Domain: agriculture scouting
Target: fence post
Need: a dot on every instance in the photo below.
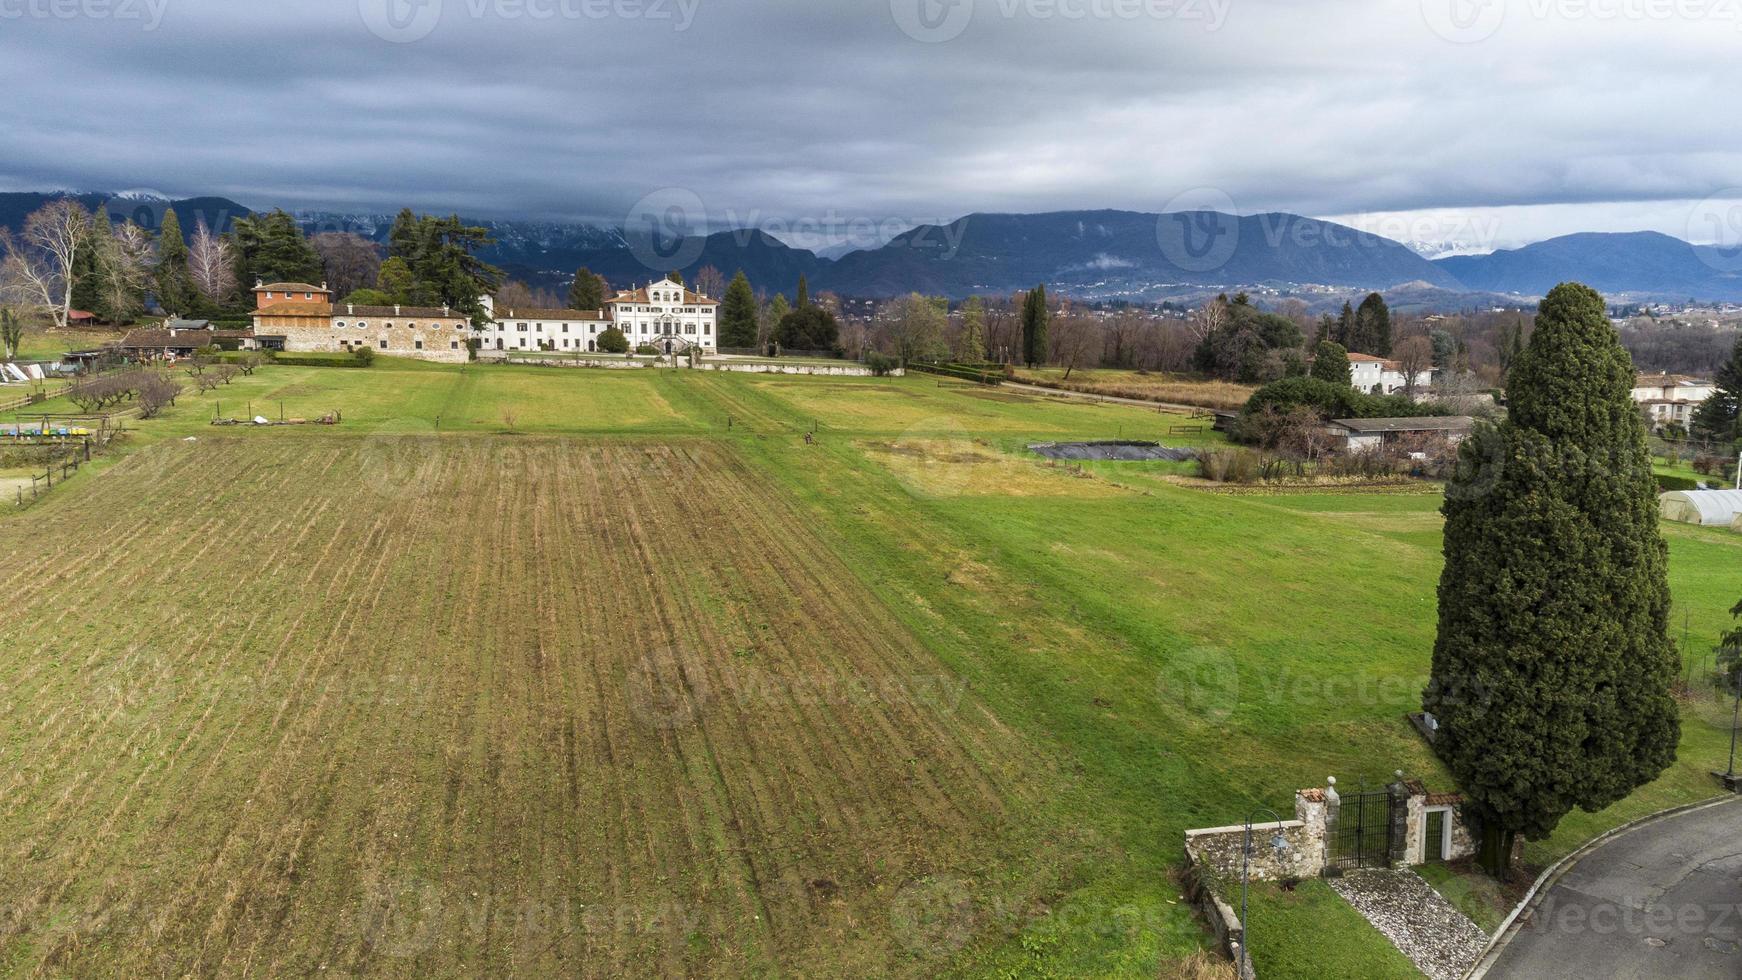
(1398, 834)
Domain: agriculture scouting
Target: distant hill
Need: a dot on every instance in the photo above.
(1128, 254)
(1641, 263)
(1096, 255)
(147, 212)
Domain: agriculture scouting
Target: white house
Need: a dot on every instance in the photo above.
(1376, 375)
(1668, 398)
(663, 314)
(666, 315)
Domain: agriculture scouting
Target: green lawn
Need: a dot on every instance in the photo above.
(1178, 657)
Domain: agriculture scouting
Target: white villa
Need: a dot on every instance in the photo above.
(1670, 398)
(662, 314)
(1376, 375)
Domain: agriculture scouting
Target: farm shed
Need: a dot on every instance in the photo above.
(1711, 507)
(1364, 434)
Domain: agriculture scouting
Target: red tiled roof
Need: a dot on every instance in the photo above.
(531, 314)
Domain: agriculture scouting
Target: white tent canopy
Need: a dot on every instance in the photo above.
(1712, 507)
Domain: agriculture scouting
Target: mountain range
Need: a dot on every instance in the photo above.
(1096, 255)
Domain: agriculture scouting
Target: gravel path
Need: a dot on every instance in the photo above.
(1436, 937)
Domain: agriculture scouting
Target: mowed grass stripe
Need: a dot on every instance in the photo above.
(417, 729)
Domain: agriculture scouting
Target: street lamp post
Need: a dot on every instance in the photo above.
(1278, 844)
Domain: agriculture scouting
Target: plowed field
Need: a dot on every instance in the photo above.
(463, 705)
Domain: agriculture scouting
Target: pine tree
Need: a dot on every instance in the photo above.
(1034, 324)
(173, 283)
(971, 348)
(804, 293)
(588, 291)
(1331, 363)
(403, 239)
(272, 248)
(675, 276)
(738, 314)
(1553, 664)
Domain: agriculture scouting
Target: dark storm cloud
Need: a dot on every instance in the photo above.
(886, 110)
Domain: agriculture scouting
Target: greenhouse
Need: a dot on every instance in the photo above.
(1711, 507)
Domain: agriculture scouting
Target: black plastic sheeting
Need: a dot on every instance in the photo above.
(1111, 450)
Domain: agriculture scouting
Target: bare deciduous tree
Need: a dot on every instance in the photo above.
(123, 269)
(211, 264)
(1414, 355)
(39, 262)
(1207, 319)
(351, 261)
(247, 361)
(710, 281)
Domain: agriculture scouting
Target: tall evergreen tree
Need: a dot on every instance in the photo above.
(1553, 664)
(1344, 333)
(403, 239)
(1719, 417)
(271, 247)
(396, 281)
(804, 293)
(971, 347)
(1327, 330)
(738, 313)
(172, 281)
(1331, 363)
(1035, 316)
(87, 269)
(675, 276)
(588, 291)
(1372, 333)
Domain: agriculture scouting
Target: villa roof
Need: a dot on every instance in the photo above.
(690, 298)
(409, 312)
(517, 313)
(291, 287)
(296, 309)
(1426, 423)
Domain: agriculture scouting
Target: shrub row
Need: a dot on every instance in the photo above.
(321, 360)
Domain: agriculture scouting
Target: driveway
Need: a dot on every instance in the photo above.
(1661, 900)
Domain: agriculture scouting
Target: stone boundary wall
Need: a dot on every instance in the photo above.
(847, 369)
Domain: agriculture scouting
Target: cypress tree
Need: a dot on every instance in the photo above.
(1373, 327)
(1034, 322)
(1331, 363)
(804, 293)
(971, 348)
(1553, 664)
(738, 314)
(1345, 331)
(174, 283)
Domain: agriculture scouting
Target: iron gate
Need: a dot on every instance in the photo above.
(1362, 836)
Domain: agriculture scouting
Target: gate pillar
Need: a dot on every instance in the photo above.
(1399, 836)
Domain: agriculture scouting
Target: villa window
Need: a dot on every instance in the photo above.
(362, 324)
(384, 345)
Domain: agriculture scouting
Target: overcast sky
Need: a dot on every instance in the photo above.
(1477, 123)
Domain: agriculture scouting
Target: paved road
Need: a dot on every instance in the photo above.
(1662, 900)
